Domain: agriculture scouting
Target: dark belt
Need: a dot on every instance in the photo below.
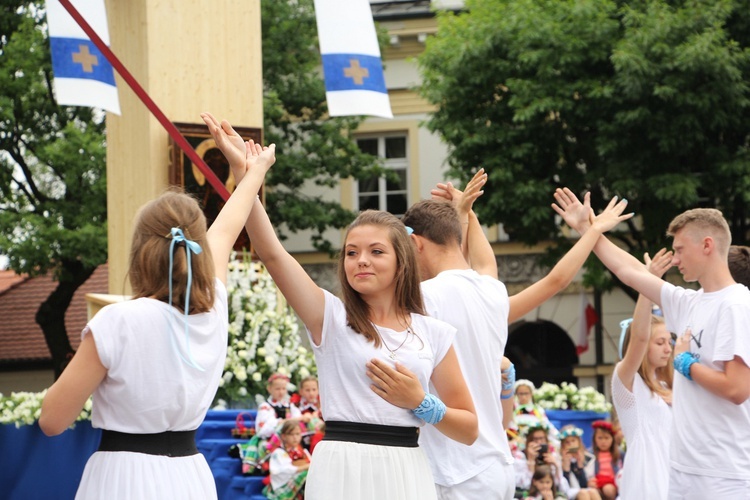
(169, 443)
(383, 435)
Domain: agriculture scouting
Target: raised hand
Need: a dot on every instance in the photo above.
(611, 216)
(258, 156)
(227, 140)
(661, 262)
(577, 215)
(462, 200)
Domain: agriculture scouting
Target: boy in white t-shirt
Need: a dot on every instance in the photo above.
(710, 442)
(471, 299)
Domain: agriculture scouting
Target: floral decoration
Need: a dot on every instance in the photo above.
(264, 336)
(24, 408)
(568, 396)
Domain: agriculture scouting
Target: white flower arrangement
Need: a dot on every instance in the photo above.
(24, 408)
(569, 397)
(264, 336)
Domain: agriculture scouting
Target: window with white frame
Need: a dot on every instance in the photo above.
(389, 193)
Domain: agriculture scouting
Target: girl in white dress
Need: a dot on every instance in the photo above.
(376, 352)
(154, 363)
(642, 395)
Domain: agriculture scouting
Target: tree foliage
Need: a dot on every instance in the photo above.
(52, 173)
(648, 100)
(313, 148)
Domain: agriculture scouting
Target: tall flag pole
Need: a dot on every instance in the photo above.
(352, 67)
(175, 134)
(83, 76)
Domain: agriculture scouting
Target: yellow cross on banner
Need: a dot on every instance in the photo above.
(85, 59)
(356, 72)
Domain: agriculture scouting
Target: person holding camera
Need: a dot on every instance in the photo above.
(538, 451)
(575, 460)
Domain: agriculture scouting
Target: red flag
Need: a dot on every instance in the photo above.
(588, 319)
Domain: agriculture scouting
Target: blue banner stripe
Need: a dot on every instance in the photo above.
(78, 58)
(353, 72)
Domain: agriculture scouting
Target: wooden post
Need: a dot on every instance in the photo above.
(190, 56)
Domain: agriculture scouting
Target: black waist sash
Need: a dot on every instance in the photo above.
(168, 443)
(383, 435)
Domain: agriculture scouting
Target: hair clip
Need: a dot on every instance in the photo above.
(409, 230)
(624, 324)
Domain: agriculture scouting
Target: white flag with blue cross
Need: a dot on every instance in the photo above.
(83, 76)
(352, 67)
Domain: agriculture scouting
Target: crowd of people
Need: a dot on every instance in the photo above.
(414, 387)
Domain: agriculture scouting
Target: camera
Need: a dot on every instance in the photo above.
(543, 449)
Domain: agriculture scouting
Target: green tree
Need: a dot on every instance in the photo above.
(648, 100)
(52, 174)
(313, 147)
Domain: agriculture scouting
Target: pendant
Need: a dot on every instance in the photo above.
(392, 356)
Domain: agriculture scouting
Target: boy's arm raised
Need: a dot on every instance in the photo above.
(565, 270)
(627, 268)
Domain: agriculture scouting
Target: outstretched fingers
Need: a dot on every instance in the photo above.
(660, 263)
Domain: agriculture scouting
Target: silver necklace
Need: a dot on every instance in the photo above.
(392, 352)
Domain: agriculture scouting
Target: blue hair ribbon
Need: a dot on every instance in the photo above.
(190, 247)
(624, 324)
(409, 230)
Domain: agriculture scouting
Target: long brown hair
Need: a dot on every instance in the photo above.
(149, 253)
(664, 374)
(408, 292)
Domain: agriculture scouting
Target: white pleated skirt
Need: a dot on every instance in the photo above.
(354, 471)
(122, 475)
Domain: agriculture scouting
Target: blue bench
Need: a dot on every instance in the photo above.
(213, 439)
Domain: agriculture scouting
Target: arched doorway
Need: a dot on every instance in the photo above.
(541, 352)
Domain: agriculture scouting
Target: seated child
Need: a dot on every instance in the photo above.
(288, 465)
(272, 414)
(537, 451)
(606, 464)
(309, 404)
(277, 408)
(543, 485)
(527, 413)
(575, 458)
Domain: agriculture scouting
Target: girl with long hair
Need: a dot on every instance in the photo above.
(153, 363)
(642, 395)
(375, 350)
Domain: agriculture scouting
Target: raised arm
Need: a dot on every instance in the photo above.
(476, 248)
(640, 328)
(565, 270)
(623, 265)
(226, 228)
(300, 291)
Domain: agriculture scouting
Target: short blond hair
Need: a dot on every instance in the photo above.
(707, 222)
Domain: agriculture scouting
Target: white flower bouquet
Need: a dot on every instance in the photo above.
(264, 336)
(24, 408)
(569, 397)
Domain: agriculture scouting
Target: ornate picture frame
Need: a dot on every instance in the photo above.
(183, 173)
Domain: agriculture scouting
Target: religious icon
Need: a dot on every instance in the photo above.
(184, 173)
